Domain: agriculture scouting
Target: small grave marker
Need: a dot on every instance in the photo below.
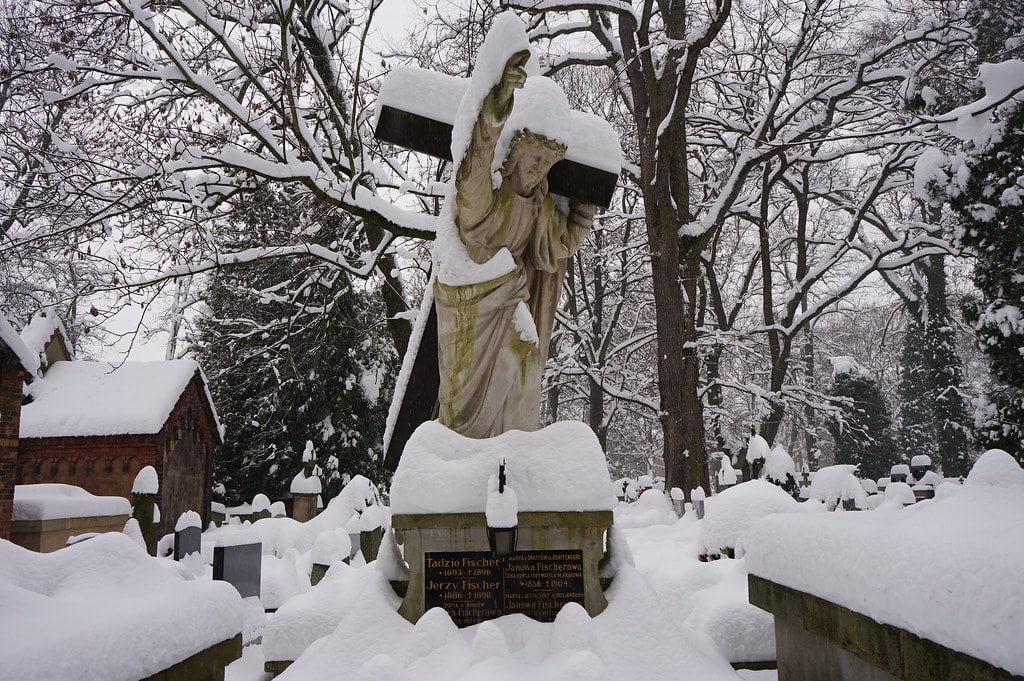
(187, 540)
(241, 566)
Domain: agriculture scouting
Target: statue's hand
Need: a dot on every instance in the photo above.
(513, 77)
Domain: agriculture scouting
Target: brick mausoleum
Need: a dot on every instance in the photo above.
(13, 358)
(96, 426)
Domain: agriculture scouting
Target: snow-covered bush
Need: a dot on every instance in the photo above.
(730, 514)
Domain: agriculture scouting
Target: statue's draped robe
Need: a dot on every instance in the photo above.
(490, 376)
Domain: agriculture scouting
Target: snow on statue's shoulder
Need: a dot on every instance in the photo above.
(559, 468)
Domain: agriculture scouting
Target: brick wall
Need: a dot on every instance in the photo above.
(186, 472)
(104, 466)
(11, 376)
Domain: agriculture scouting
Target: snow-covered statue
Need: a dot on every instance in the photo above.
(503, 242)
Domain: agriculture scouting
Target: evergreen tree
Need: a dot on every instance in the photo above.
(988, 206)
(933, 415)
(862, 436)
(294, 352)
(992, 228)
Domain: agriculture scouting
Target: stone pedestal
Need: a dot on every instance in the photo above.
(303, 507)
(553, 535)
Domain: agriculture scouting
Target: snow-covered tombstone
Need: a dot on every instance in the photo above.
(144, 490)
(260, 506)
(188, 532)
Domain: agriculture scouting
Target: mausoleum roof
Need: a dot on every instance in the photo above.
(96, 398)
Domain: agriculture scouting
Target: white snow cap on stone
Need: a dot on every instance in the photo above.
(899, 469)
(559, 468)
(921, 460)
(900, 492)
(697, 494)
(260, 503)
(757, 448)
(502, 509)
(146, 482)
(678, 495)
(997, 468)
(188, 519)
(331, 546)
(303, 485)
(307, 454)
(48, 501)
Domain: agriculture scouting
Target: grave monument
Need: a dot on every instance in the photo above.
(496, 515)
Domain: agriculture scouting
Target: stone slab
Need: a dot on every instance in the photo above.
(818, 639)
(206, 665)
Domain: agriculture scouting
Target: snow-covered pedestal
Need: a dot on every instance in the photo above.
(901, 592)
(47, 515)
(439, 500)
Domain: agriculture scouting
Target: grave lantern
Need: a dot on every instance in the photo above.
(502, 540)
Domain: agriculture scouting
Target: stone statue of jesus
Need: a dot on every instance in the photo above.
(493, 336)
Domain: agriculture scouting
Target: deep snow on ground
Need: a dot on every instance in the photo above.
(671, 613)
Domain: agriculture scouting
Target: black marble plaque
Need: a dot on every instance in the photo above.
(476, 586)
(241, 566)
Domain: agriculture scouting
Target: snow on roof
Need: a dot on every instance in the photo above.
(559, 468)
(945, 569)
(104, 609)
(49, 501)
(40, 330)
(95, 398)
(11, 338)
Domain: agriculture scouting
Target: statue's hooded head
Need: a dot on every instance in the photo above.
(535, 137)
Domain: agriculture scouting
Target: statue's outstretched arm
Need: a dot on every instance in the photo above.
(474, 188)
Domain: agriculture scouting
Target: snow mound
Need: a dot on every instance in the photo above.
(828, 483)
(779, 464)
(47, 501)
(729, 515)
(95, 609)
(652, 508)
(996, 467)
(757, 448)
(559, 468)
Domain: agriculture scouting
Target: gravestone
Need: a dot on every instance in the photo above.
(473, 586)
(187, 540)
(241, 566)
